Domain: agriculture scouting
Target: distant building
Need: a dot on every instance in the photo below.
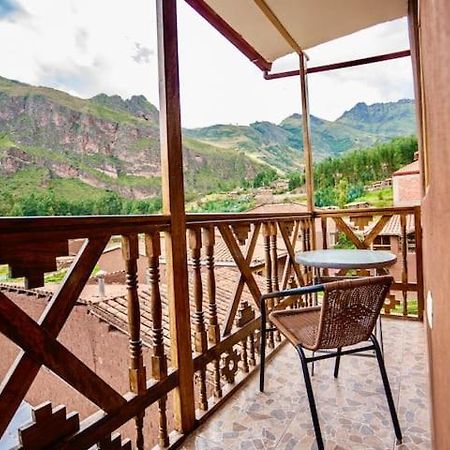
(406, 185)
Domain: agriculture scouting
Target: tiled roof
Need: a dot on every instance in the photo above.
(408, 169)
(393, 226)
(279, 208)
(114, 310)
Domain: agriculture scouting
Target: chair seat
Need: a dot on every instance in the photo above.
(300, 326)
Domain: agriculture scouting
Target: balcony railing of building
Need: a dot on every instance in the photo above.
(223, 297)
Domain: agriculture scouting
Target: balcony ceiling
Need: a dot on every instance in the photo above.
(308, 22)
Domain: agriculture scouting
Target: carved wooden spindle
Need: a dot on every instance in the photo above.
(159, 358)
(274, 256)
(244, 356)
(324, 225)
(274, 261)
(305, 247)
(251, 344)
(404, 264)
(213, 325)
(267, 229)
(200, 341)
(137, 375)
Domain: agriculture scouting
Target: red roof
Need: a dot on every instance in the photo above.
(408, 169)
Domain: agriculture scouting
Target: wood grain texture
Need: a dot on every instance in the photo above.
(307, 144)
(40, 346)
(173, 206)
(18, 380)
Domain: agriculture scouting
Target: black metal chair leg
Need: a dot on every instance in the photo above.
(387, 389)
(262, 352)
(312, 403)
(338, 360)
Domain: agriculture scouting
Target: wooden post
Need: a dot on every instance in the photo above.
(414, 42)
(307, 148)
(173, 205)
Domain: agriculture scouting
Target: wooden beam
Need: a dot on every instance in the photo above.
(340, 65)
(234, 37)
(173, 205)
(273, 19)
(24, 370)
(43, 348)
(414, 42)
(307, 147)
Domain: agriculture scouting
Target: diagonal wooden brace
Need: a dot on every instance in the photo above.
(22, 373)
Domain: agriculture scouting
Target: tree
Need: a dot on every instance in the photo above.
(296, 179)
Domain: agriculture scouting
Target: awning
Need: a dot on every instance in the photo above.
(265, 30)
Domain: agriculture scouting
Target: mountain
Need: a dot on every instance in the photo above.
(361, 126)
(50, 140)
(385, 120)
(104, 142)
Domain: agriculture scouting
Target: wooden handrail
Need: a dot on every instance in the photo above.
(223, 315)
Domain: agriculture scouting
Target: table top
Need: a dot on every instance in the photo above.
(346, 259)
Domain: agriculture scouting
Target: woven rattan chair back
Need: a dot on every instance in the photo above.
(350, 310)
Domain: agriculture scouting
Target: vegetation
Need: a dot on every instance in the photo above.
(379, 198)
(222, 203)
(340, 180)
(265, 178)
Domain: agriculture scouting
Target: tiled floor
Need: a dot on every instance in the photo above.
(352, 409)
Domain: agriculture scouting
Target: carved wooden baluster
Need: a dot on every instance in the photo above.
(159, 358)
(324, 224)
(292, 285)
(244, 355)
(268, 267)
(130, 251)
(404, 264)
(252, 356)
(213, 326)
(274, 260)
(195, 244)
(274, 256)
(305, 248)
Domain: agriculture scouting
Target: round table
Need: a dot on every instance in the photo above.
(346, 259)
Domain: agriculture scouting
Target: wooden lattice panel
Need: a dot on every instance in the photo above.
(48, 427)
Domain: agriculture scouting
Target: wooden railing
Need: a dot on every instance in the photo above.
(402, 233)
(233, 259)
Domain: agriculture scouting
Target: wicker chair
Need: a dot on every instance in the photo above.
(347, 316)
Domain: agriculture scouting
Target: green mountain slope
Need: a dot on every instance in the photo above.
(362, 126)
(385, 120)
(105, 143)
(76, 148)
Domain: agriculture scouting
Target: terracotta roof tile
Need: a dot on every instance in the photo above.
(114, 310)
(414, 167)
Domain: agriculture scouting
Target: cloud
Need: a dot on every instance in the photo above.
(143, 54)
(9, 9)
(81, 38)
(90, 46)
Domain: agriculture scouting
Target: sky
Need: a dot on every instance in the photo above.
(86, 47)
